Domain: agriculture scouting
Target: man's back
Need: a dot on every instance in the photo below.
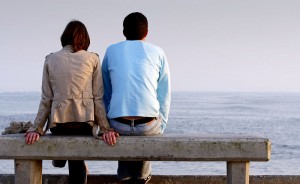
(133, 71)
(137, 91)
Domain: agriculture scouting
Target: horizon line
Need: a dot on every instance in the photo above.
(172, 91)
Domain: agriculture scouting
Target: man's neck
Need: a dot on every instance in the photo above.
(143, 39)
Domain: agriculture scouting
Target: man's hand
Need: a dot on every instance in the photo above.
(110, 137)
(31, 137)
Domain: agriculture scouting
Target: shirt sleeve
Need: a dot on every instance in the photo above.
(45, 103)
(106, 82)
(164, 92)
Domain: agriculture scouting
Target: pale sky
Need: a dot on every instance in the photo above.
(211, 45)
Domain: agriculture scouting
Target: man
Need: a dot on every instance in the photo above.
(137, 92)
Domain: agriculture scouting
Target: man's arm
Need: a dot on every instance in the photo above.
(106, 83)
(164, 92)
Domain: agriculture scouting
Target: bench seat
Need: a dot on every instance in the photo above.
(236, 149)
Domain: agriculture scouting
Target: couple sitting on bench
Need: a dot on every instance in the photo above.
(128, 95)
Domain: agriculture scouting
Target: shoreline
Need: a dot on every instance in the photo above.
(165, 179)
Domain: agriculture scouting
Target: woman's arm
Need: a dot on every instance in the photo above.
(108, 134)
(31, 137)
(42, 116)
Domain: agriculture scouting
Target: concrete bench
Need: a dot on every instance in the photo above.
(236, 150)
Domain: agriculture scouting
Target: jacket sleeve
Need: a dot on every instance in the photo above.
(45, 104)
(100, 112)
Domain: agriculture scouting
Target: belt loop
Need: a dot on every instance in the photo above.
(132, 123)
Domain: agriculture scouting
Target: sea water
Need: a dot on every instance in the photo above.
(272, 115)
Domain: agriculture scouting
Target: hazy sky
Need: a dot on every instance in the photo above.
(211, 45)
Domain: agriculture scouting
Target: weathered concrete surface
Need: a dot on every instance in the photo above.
(28, 171)
(237, 150)
(111, 179)
(238, 172)
(205, 147)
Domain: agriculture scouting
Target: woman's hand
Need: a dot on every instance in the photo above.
(31, 137)
(110, 137)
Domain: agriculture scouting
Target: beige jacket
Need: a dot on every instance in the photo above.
(72, 90)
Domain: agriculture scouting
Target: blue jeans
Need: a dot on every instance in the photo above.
(135, 169)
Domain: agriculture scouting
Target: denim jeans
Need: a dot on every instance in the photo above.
(77, 168)
(135, 169)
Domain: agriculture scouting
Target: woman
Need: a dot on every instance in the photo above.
(72, 90)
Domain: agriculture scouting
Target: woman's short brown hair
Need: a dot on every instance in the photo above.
(76, 35)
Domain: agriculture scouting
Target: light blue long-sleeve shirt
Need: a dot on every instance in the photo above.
(136, 80)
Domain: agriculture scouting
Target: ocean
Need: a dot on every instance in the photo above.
(273, 115)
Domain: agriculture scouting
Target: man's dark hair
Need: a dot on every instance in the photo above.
(135, 26)
(76, 35)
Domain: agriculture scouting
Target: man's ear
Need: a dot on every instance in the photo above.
(145, 35)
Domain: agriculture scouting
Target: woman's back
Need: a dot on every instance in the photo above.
(71, 73)
(71, 84)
